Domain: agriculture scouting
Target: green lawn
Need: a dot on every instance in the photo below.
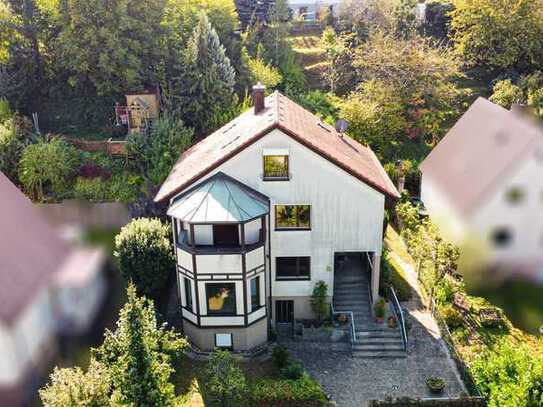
(312, 57)
(394, 243)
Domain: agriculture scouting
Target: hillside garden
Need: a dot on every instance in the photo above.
(505, 362)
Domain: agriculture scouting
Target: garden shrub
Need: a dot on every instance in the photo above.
(145, 254)
(121, 188)
(511, 374)
(292, 371)
(47, 166)
(225, 380)
(452, 317)
(92, 170)
(269, 392)
(280, 356)
(445, 290)
(15, 135)
(319, 303)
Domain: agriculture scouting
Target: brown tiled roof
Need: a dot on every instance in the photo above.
(30, 251)
(479, 149)
(300, 124)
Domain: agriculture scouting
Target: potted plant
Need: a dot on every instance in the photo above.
(392, 322)
(343, 319)
(379, 310)
(435, 384)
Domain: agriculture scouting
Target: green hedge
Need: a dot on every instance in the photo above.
(272, 392)
(409, 402)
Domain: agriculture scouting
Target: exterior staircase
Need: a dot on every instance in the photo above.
(351, 293)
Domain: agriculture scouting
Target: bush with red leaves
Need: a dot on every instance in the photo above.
(91, 170)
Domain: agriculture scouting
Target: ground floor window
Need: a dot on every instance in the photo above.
(255, 293)
(188, 294)
(221, 298)
(292, 268)
(224, 341)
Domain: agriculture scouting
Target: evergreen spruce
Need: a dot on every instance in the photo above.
(207, 84)
(139, 355)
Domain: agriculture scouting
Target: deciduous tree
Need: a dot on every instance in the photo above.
(499, 35)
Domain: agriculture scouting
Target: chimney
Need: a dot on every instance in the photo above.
(258, 97)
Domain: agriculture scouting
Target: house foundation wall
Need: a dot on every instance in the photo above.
(243, 339)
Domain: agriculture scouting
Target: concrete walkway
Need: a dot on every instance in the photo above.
(353, 382)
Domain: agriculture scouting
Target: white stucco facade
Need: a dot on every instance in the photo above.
(346, 214)
(496, 212)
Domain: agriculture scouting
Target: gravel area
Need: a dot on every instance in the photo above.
(353, 382)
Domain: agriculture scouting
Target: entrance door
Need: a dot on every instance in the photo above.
(226, 235)
(284, 311)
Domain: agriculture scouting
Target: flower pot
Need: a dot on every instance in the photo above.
(435, 385)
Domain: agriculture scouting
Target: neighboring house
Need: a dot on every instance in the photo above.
(483, 186)
(47, 288)
(309, 10)
(264, 208)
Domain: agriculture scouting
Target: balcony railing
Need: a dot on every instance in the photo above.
(183, 243)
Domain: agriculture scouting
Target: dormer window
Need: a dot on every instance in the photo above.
(275, 163)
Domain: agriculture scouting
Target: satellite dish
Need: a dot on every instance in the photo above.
(341, 126)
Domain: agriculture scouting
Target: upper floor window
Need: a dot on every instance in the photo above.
(293, 217)
(276, 167)
(515, 195)
(502, 237)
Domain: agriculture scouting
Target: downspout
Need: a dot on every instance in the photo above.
(270, 269)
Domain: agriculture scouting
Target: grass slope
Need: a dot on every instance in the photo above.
(312, 57)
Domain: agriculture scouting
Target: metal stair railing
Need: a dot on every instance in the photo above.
(352, 329)
(398, 312)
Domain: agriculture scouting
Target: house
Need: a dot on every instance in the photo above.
(262, 209)
(309, 10)
(47, 288)
(483, 186)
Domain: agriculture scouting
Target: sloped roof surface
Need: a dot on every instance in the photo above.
(30, 251)
(280, 112)
(219, 199)
(477, 151)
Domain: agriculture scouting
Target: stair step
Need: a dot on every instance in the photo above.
(363, 336)
(350, 283)
(376, 347)
(345, 289)
(380, 341)
(352, 296)
(379, 354)
(352, 303)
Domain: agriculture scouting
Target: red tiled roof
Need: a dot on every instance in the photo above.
(30, 251)
(303, 126)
